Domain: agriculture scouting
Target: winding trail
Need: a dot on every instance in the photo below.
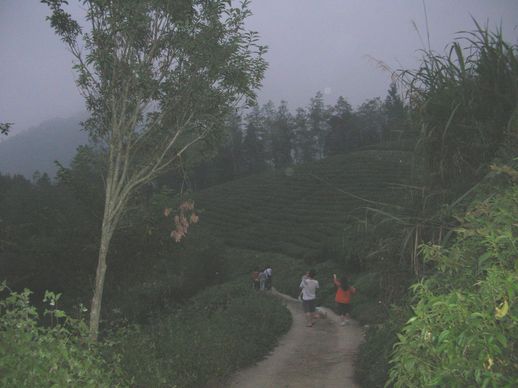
(306, 357)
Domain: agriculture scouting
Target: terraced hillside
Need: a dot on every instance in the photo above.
(299, 210)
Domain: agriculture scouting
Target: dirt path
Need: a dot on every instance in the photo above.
(318, 356)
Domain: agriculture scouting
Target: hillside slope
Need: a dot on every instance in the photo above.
(37, 148)
(297, 211)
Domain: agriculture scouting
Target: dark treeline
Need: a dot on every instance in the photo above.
(274, 137)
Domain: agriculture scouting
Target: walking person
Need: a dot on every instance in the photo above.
(268, 272)
(262, 279)
(308, 286)
(344, 291)
(255, 279)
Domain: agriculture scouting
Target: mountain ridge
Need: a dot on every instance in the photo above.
(37, 148)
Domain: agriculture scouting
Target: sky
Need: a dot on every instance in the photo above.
(314, 45)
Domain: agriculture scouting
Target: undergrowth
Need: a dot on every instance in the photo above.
(463, 328)
(57, 354)
(223, 328)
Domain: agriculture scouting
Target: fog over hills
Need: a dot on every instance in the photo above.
(37, 148)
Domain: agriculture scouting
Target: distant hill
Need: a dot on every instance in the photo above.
(37, 148)
(301, 210)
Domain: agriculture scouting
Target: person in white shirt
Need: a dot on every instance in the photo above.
(308, 287)
(268, 272)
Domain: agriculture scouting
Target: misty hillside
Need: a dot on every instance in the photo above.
(37, 148)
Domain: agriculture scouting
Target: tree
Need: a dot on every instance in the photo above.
(233, 150)
(268, 118)
(395, 114)
(158, 77)
(336, 140)
(303, 140)
(254, 153)
(228, 162)
(282, 136)
(318, 128)
(370, 121)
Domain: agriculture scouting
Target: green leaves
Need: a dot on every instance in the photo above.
(464, 324)
(464, 101)
(62, 21)
(54, 355)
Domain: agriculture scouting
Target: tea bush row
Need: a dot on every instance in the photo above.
(222, 329)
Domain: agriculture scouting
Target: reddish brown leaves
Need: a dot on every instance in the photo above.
(185, 217)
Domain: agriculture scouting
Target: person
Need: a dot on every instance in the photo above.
(268, 272)
(343, 298)
(255, 279)
(262, 280)
(308, 287)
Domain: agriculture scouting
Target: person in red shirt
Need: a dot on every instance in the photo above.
(255, 279)
(343, 298)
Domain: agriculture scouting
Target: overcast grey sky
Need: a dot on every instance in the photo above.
(313, 45)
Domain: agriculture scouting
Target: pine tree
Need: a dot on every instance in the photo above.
(253, 145)
(395, 112)
(336, 140)
(282, 137)
(318, 127)
(303, 140)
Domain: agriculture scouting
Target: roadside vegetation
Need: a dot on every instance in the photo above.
(55, 354)
(221, 329)
(458, 331)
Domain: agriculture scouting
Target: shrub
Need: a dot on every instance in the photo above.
(158, 271)
(32, 355)
(222, 329)
(372, 362)
(463, 332)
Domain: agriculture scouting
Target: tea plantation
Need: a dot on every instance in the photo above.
(299, 211)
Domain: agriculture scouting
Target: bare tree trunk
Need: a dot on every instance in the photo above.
(95, 308)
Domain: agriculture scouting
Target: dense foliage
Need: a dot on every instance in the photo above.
(49, 237)
(372, 362)
(42, 244)
(464, 102)
(463, 330)
(57, 354)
